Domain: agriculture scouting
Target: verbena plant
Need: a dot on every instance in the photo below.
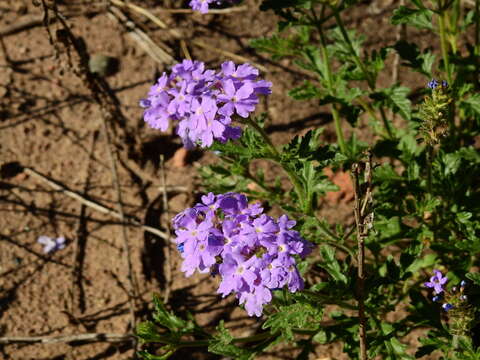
(416, 204)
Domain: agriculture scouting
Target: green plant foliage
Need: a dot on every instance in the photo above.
(425, 189)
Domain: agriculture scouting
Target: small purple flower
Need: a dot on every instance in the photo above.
(50, 245)
(436, 282)
(203, 5)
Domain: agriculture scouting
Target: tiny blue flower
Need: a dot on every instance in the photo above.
(180, 247)
(433, 84)
(463, 297)
(436, 298)
(447, 306)
(444, 84)
(463, 283)
(145, 103)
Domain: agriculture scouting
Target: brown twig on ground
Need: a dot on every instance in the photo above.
(231, 10)
(167, 247)
(77, 292)
(178, 35)
(116, 183)
(99, 207)
(157, 53)
(364, 220)
(93, 337)
(31, 21)
(109, 105)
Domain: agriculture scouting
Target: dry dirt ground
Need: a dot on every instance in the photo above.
(49, 123)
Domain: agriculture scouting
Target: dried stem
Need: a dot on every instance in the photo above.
(94, 337)
(101, 208)
(364, 222)
(157, 53)
(167, 247)
(177, 34)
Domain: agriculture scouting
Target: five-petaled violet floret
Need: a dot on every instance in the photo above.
(252, 252)
(203, 5)
(50, 245)
(204, 102)
(437, 281)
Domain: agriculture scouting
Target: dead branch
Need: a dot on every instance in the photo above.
(167, 247)
(26, 23)
(158, 54)
(94, 337)
(96, 206)
(176, 34)
(231, 10)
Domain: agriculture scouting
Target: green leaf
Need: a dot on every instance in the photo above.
(396, 98)
(146, 356)
(221, 344)
(168, 319)
(472, 103)
(147, 332)
(306, 91)
(331, 264)
(297, 316)
(419, 18)
(475, 277)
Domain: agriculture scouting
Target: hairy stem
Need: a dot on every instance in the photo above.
(477, 41)
(444, 44)
(294, 178)
(326, 61)
(368, 75)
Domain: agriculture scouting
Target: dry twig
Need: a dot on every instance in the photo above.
(101, 208)
(93, 337)
(230, 10)
(178, 35)
(167, 247)
(148, 45)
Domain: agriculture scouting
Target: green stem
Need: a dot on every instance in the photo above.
(338, 129)
(340, 247)
(477, 40)
(356, 59)
(429, 169)
(326, 61)
(369, 77)
(327, 300)
(444, 44)
(201, 343)
(294, 178)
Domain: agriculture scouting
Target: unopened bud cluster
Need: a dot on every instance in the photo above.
(434, 112)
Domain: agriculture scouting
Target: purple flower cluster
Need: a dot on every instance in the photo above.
(251, 251)
(450, 299)
(204, 101)
(203, 5)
